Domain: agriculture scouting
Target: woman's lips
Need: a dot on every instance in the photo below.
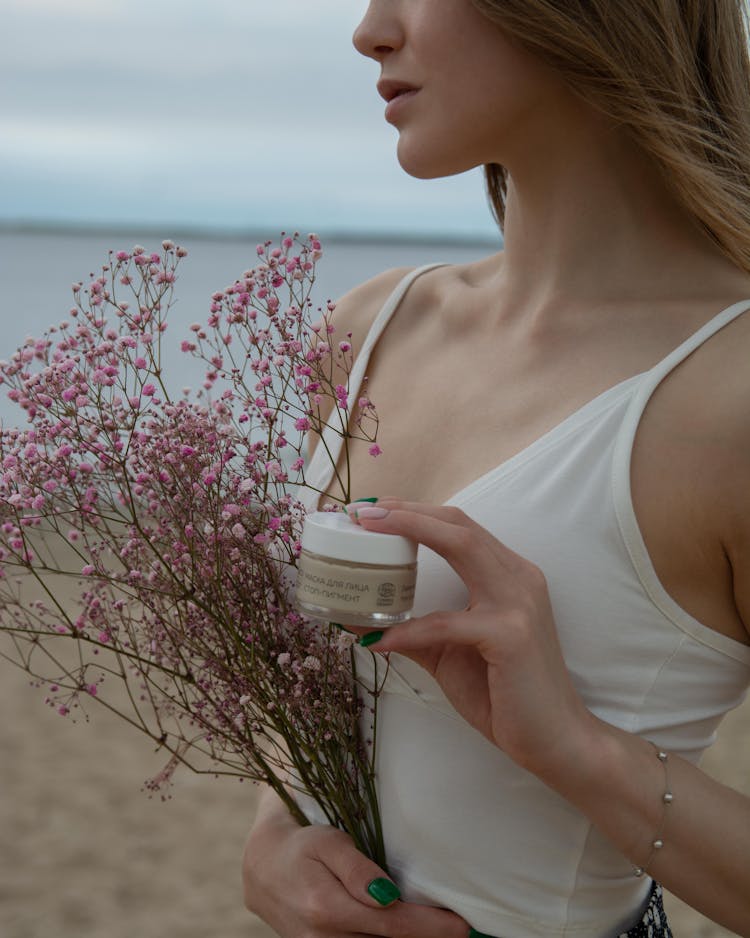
(390, 88)
(397, 103)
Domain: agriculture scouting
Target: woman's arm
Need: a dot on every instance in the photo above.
(499, 663)
(617, 780)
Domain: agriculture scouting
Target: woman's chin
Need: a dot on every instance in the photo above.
(423, 164)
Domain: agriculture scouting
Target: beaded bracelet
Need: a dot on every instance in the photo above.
(667, 798)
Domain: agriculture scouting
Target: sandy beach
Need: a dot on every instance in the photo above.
(84, 853)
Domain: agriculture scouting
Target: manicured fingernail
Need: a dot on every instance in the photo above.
(371, 514)
(353, 508)
(473, 933)
(370, 639)
(338, 625)
(384, 891)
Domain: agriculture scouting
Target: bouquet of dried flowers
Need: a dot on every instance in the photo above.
(179, 521)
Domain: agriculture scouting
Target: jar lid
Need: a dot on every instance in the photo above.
(334, 534)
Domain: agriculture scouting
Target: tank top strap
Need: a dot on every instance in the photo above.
(320, 470)
(652, 378)
(622, 493)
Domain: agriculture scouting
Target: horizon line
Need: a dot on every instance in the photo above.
(228, 233)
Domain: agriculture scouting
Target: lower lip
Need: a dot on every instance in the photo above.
(394, 106)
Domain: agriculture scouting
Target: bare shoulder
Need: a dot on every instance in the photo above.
(725, 420)
(712, 434)
(355, 312)
(690, 480)
(446, 285)
(352, 316)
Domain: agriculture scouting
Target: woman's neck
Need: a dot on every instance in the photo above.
(590, 220)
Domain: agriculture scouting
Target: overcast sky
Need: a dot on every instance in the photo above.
(214, 113)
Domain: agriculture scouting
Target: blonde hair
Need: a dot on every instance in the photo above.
(675, 73)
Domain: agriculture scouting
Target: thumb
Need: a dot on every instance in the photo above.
(363, 879)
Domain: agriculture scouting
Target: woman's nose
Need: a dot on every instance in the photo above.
(379, 32)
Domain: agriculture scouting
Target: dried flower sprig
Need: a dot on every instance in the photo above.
(178, 520)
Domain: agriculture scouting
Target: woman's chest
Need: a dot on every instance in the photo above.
(450, 415)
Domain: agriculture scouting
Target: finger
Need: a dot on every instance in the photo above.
(468, 547)
(363, 879)
(409, 920)
(391, 502)
(370, 885)
(367, 905)
(423, 639)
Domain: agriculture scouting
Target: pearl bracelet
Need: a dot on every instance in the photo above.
(667, 798)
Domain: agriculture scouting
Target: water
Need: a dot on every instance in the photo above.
(38, 268)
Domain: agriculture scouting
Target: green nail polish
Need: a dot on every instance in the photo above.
(384, 891)
(370, 638)
(473, 933)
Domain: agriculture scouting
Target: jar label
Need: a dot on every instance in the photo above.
(355, 589)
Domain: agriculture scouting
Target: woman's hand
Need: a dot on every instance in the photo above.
(312, 882)
(499, 660)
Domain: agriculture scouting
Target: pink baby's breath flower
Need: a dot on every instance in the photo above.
(182, 515)
(375, 450)
(342, 396)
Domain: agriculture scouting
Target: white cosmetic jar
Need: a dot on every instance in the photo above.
(348, 575)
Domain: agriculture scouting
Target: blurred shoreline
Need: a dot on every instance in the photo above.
(244, 234)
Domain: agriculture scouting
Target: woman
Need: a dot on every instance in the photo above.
(574, 461)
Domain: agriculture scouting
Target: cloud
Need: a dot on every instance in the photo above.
(203, 114)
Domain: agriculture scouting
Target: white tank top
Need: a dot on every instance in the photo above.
(466, 828)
